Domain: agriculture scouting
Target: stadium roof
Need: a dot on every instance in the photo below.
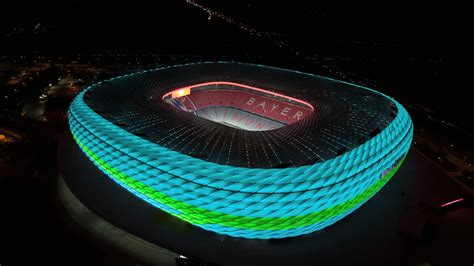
(345, 115)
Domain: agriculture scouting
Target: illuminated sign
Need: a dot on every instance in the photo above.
(180, 92)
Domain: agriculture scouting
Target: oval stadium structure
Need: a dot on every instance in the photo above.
(240, 149)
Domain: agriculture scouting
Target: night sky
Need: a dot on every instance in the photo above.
(162, 25)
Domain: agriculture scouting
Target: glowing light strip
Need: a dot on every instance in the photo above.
(451, 202)
(243, 86)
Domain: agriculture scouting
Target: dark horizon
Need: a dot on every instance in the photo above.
(86, 25)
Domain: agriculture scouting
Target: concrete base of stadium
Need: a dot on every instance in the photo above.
(394, 227)
(129, 244)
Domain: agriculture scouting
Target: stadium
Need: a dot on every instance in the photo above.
(240, 149)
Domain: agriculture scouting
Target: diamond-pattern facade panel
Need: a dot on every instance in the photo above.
(127, 133)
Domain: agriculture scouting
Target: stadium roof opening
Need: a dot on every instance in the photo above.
(239, 106)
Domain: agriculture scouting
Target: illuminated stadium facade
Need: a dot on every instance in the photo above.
(243, 150)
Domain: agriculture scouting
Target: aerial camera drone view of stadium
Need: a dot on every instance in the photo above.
(204, 132)
(241, 160)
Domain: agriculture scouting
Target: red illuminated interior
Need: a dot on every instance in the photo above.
(239, 105)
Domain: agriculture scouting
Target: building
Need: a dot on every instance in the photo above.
(244, 150)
